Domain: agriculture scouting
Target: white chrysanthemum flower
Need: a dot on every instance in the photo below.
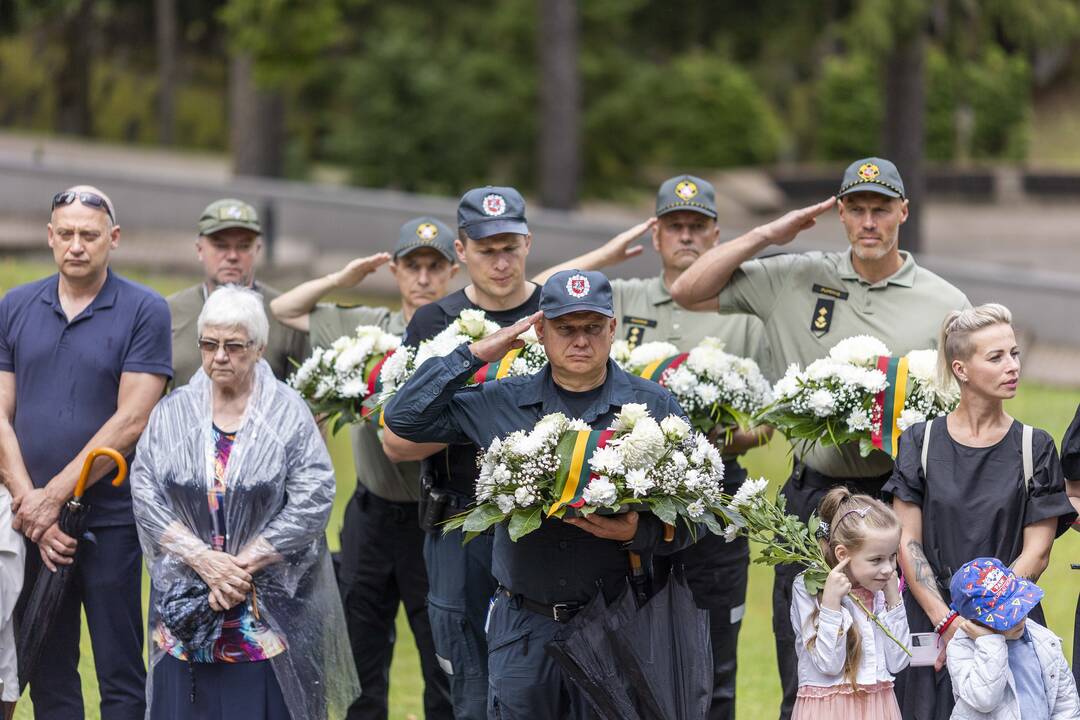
(681, 381)
(858, 420)
(675, 427)
(708, 393)
(505, 503)
(578, 425)
(678, 458)
(396, 368)
(628, 416)
(922, 365)
(909, 417)
(787, 387)
(524, 497)
(750, 493)
(858, 350)
(643, 445)
(501, 474)
(639, 482)
(353, 388)
(650, 352)
(821, 402)
(606, 461)
(695, 509)
(600, 491)
(620, 352)
(730, 532)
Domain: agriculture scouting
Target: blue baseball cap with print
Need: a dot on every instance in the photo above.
(570, 291)
(491, 210)
(986, 591)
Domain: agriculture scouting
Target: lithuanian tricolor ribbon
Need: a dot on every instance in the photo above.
(655, 371)
(889, 403)
(373, 382)
(574, 452)
(496, 371)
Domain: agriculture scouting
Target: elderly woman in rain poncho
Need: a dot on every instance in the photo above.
(232, 488)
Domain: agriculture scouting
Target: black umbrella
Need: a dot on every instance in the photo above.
(665, 654)
(584, 653)
(50, 587)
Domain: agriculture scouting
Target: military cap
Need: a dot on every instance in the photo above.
(872, 175)
(425, 232)
(228, 213)
(489, 210)
(570, 291)
(686, 192)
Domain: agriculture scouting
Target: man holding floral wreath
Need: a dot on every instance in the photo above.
(683, 228)
(810, 301)
(546, 576)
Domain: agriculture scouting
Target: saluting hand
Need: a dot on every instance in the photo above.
(837, 586)
(496, 345)
(784, 229)
(351, 275)
(618, 248)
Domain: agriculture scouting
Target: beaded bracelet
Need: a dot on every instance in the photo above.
(942, 626)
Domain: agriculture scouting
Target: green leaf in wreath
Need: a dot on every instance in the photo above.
(482, 517)
(666, 510)
(523, 522)
(709, 521)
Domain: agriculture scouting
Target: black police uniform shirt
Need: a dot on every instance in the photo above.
(455, 467)
(558, 562)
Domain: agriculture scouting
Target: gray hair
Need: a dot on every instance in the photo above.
(955, 340)
(235, 306)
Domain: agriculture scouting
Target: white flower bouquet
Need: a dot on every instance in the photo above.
(470, 326)
(784, 539)
(339, 379)
(715, 388)
(858, 393)
(563, 467)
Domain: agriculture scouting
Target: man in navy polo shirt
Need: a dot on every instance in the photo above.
(84, 357)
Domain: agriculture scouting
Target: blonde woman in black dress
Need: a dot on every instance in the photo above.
(978, 484)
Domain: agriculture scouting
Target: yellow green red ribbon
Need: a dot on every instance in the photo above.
(657, 371)
(889, 403)
(574, 451)
(496, 371)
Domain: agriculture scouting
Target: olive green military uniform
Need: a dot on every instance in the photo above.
(381, 563)
(809, 302)
(185, 306)
(716, 571)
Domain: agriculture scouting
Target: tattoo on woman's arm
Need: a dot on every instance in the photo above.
(924, 574)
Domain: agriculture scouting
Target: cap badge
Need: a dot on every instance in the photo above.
(494, 204)
(234, 212)
(577, 286)
(686, 189)
(427, 232)
(869, 171)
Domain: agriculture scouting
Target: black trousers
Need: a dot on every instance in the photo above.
(382, 565)
(803, 491)
(107, 584)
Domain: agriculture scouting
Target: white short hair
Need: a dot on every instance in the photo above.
(235, 306)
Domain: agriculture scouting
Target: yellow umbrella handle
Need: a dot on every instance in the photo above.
(121, 463)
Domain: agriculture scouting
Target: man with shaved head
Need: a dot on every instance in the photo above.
(84, 356)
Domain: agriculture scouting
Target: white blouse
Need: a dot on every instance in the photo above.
(823, 665)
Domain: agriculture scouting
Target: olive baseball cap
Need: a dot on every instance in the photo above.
(872, 175)
(491, 210)
(571, 291)
(229, 213)
(425, 232)
(686, 192)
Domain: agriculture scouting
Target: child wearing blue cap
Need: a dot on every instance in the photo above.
(1003, 665)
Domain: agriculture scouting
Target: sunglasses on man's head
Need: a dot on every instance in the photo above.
(86, 198)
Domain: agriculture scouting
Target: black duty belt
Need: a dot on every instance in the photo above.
(559, 612)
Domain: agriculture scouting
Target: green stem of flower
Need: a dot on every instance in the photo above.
(877, 621)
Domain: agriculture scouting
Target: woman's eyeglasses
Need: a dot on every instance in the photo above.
(86, 198)
(233, 347)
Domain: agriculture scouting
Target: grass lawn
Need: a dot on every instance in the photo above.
(758, 686)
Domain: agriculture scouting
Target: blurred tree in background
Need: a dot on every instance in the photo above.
(592, 97)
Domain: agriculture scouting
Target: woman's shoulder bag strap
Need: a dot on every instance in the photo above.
(926, 444)
(1029, 460)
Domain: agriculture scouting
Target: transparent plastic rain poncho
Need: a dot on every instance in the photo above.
(279, 491)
